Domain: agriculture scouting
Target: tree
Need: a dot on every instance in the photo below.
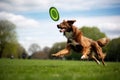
(92, 32)
(8, 39)
(113, 50)
(34, 48)
(22, 53)
(46, 50)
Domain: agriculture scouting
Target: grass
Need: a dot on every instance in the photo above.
(57, 70)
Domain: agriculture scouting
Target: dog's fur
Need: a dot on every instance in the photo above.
(88, 45)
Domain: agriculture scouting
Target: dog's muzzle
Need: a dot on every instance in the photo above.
(61, 29)
(58, 26)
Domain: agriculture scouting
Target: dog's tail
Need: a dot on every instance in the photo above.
(103, 41)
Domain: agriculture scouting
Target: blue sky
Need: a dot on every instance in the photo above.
(34, 25)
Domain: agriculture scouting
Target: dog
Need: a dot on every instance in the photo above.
(86, 45)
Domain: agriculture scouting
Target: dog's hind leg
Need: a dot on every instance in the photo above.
(103, 59)
(98, 51)
(85, 53)
(95, 59)
(103, 62)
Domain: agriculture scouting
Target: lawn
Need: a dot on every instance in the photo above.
(14, 69)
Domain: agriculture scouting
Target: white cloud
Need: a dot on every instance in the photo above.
(107, 24)
(23, 5)
(19, 20)
(43, 5)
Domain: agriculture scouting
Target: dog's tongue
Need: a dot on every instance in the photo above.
(62, 30)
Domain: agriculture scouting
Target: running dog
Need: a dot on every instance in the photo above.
(86, 45)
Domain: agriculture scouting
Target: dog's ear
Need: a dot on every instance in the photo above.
(71, 21)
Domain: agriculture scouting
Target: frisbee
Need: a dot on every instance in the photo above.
(54, 14)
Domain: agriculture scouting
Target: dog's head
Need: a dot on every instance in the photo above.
(66, 25)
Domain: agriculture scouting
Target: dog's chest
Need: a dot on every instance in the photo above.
(68, 35)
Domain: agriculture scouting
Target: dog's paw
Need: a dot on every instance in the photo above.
(56, 55)
(84, 57)
(98, 62)
(53, 55)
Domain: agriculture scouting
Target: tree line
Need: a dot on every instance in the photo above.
(11, 48)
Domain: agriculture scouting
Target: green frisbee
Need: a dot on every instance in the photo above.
(54, 14)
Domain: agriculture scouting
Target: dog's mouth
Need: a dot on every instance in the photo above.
(61, 29)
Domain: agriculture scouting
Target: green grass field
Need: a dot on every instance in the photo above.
(57, 70)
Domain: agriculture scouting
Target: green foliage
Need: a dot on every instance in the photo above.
(10, 50)
(21, 52)
(8, 39)
(114, 50)
(92, 32)
(57, 70)
(7, 31)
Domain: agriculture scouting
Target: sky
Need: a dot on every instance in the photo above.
(34, 25)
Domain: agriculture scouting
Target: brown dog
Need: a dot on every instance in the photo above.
(88, 45)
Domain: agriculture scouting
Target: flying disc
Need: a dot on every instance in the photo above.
(54, 14)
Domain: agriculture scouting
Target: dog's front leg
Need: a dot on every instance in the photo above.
(61, 53)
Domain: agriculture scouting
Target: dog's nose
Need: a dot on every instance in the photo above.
(58, 26)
